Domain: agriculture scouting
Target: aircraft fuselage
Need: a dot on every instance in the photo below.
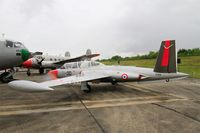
(121, 73)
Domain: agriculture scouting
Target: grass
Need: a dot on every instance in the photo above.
(189, 65)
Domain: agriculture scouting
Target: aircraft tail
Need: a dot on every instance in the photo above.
(67, 54)
(89, 55)
(88, 52)
(166, 60)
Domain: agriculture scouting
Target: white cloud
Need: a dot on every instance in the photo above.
(124, 27)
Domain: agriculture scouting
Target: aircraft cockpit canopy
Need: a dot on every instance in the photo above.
(12, 44)
(83, 64)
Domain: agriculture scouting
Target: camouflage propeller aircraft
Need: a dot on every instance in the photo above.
(12, 54)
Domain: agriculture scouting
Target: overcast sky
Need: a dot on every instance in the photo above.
(109, 27)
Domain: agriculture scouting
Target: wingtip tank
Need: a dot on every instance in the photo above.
(28, 86)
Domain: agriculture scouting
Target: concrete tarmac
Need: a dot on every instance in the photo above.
(161, 107)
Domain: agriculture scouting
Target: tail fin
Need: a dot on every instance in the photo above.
(67, 54)
(166, 60)
(88, 52)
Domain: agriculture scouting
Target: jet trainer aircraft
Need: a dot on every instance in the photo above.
(12, 54)
(42, 62)
(91, 71)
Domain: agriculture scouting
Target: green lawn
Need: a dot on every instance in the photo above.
(189, 65)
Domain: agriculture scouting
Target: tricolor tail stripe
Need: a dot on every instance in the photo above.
(166, 60)
(166, 54)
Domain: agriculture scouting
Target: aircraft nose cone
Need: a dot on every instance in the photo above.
(53, 74)
(27, 64)
(25, 54)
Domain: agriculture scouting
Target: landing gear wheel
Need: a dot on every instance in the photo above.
(41, 70)
(28, 72)
(167, 80)
(113, 83)
(5, 79)
(89, 89)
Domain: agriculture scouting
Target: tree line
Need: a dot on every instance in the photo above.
(154, 54)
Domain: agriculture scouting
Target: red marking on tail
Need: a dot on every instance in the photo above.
(165, 57)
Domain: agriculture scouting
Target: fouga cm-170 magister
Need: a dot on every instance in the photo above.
(91, 71)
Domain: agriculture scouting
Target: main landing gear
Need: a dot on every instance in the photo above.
(7, 76)
(85, 87)
(114, 83)
(28, 72)
(41, 71)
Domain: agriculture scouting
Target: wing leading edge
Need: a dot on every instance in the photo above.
(29, 86)
(84, 76)
(80, 58)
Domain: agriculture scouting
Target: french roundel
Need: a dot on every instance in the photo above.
(124, 76)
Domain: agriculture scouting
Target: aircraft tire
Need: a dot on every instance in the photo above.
(41, 70)
(28, 72)
(89, 89)
(4, 79)
(113, 83)
(167, 80)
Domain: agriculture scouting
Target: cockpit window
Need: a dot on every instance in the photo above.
(9, 44)
(95, 63)
(68, 65)
(74, 65)
(18, 45)
(79, 64)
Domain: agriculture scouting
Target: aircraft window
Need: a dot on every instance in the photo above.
(39, 57)
(68, 66)
(50, 59)
(9, 44)
(79, 64)
(55, 59)
(74, 65)
(18, 45)
(94, 63)
(89, 64)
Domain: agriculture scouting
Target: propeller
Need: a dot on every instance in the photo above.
(40, 61)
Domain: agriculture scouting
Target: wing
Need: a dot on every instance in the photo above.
(29, 86)
(80, 58)
(84, 76)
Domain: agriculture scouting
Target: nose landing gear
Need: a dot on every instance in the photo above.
(7, 76)
(41, 70)
(85, 87)
(28, 72)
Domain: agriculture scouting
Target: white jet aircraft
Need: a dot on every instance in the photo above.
(91, 71)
